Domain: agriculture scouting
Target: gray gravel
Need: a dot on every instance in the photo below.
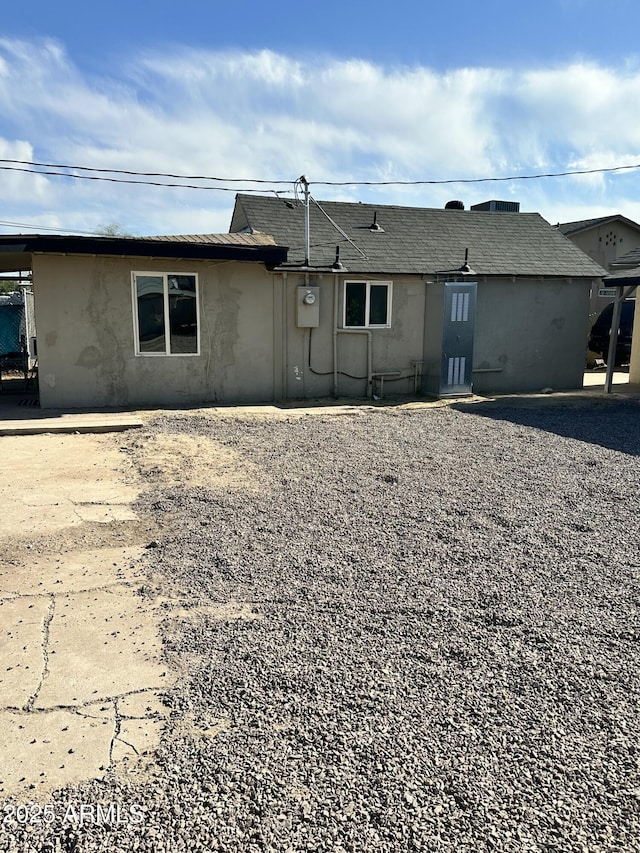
(445, 654)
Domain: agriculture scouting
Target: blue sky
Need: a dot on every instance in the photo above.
(345, 92)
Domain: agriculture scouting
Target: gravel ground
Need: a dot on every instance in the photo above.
(439, 650)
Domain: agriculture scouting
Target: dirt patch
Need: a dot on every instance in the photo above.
(194, 462)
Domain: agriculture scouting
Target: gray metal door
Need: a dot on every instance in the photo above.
(457, 338)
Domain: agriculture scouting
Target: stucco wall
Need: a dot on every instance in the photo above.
(532, 333)
(529, 334)
(604, 244)
(308, 371)
(432, 343)
(86, 338)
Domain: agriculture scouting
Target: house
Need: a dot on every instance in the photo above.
(605, 240)
(162, 321)
(381, 298)
(304, 301)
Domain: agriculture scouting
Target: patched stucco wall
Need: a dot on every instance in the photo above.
(85, 335)
(529, 334)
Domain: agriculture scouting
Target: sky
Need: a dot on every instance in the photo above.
(374, 102)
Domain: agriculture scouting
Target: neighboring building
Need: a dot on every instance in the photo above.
(605, 240)
(437, 300)
(387, 304)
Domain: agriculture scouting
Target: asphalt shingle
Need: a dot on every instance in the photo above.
(415, 240)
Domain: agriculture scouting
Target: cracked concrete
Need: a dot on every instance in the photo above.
(80, 670)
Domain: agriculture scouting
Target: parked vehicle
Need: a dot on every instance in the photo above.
(601, 332)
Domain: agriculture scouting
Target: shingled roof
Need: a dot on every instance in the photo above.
(630, 259)
(568, 228)
(415, 240)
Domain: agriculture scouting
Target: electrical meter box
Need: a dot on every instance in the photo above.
(308, 304)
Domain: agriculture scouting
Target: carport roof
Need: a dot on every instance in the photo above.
(628, 276)
(16, 249)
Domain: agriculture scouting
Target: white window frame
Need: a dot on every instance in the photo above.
(369, 283)
(165, 292)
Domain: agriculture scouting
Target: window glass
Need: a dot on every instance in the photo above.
(378, 305)
(183, 324)
(166, 314)
(150, 298)
(355, 303)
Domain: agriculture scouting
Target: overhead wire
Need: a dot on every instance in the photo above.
(126, 180)
(43, 169)
(146, 174)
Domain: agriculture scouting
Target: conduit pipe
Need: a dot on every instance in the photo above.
(337, 331)
(285, 336)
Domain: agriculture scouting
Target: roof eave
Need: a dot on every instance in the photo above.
(143, 248)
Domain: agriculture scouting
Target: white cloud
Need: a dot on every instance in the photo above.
(266, 115)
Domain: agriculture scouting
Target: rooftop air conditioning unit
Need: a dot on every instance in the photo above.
(498, 206)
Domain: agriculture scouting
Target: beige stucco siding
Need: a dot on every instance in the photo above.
(85, 329)
(604, 244)
(607, 242)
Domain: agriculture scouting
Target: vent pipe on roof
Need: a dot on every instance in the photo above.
(374, 225)
(465, 269)
(454, 205)
(337, 265)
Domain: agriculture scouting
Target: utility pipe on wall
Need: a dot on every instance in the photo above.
(285, 336)
(337, 331)
(335, 336)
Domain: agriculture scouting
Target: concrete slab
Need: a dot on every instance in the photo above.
(79, 570)
(76, 643)
(56, 749)
(69, 423)
(21, 657)
(101, 644)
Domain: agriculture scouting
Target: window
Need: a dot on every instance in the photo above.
(165, 313)
(367, 304)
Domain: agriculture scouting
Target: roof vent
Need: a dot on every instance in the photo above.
(454, 205)
(498, 206)
(374, 225)
(337, 265)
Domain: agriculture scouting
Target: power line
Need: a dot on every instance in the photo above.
(23, 164)
(126, 180)
(474, 180)
(145, 174)
(48, 228)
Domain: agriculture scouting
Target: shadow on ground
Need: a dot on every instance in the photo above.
(595, 421)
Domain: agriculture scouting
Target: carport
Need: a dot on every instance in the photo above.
(625, 283)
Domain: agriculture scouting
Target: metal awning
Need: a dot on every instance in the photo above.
(16, 250)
